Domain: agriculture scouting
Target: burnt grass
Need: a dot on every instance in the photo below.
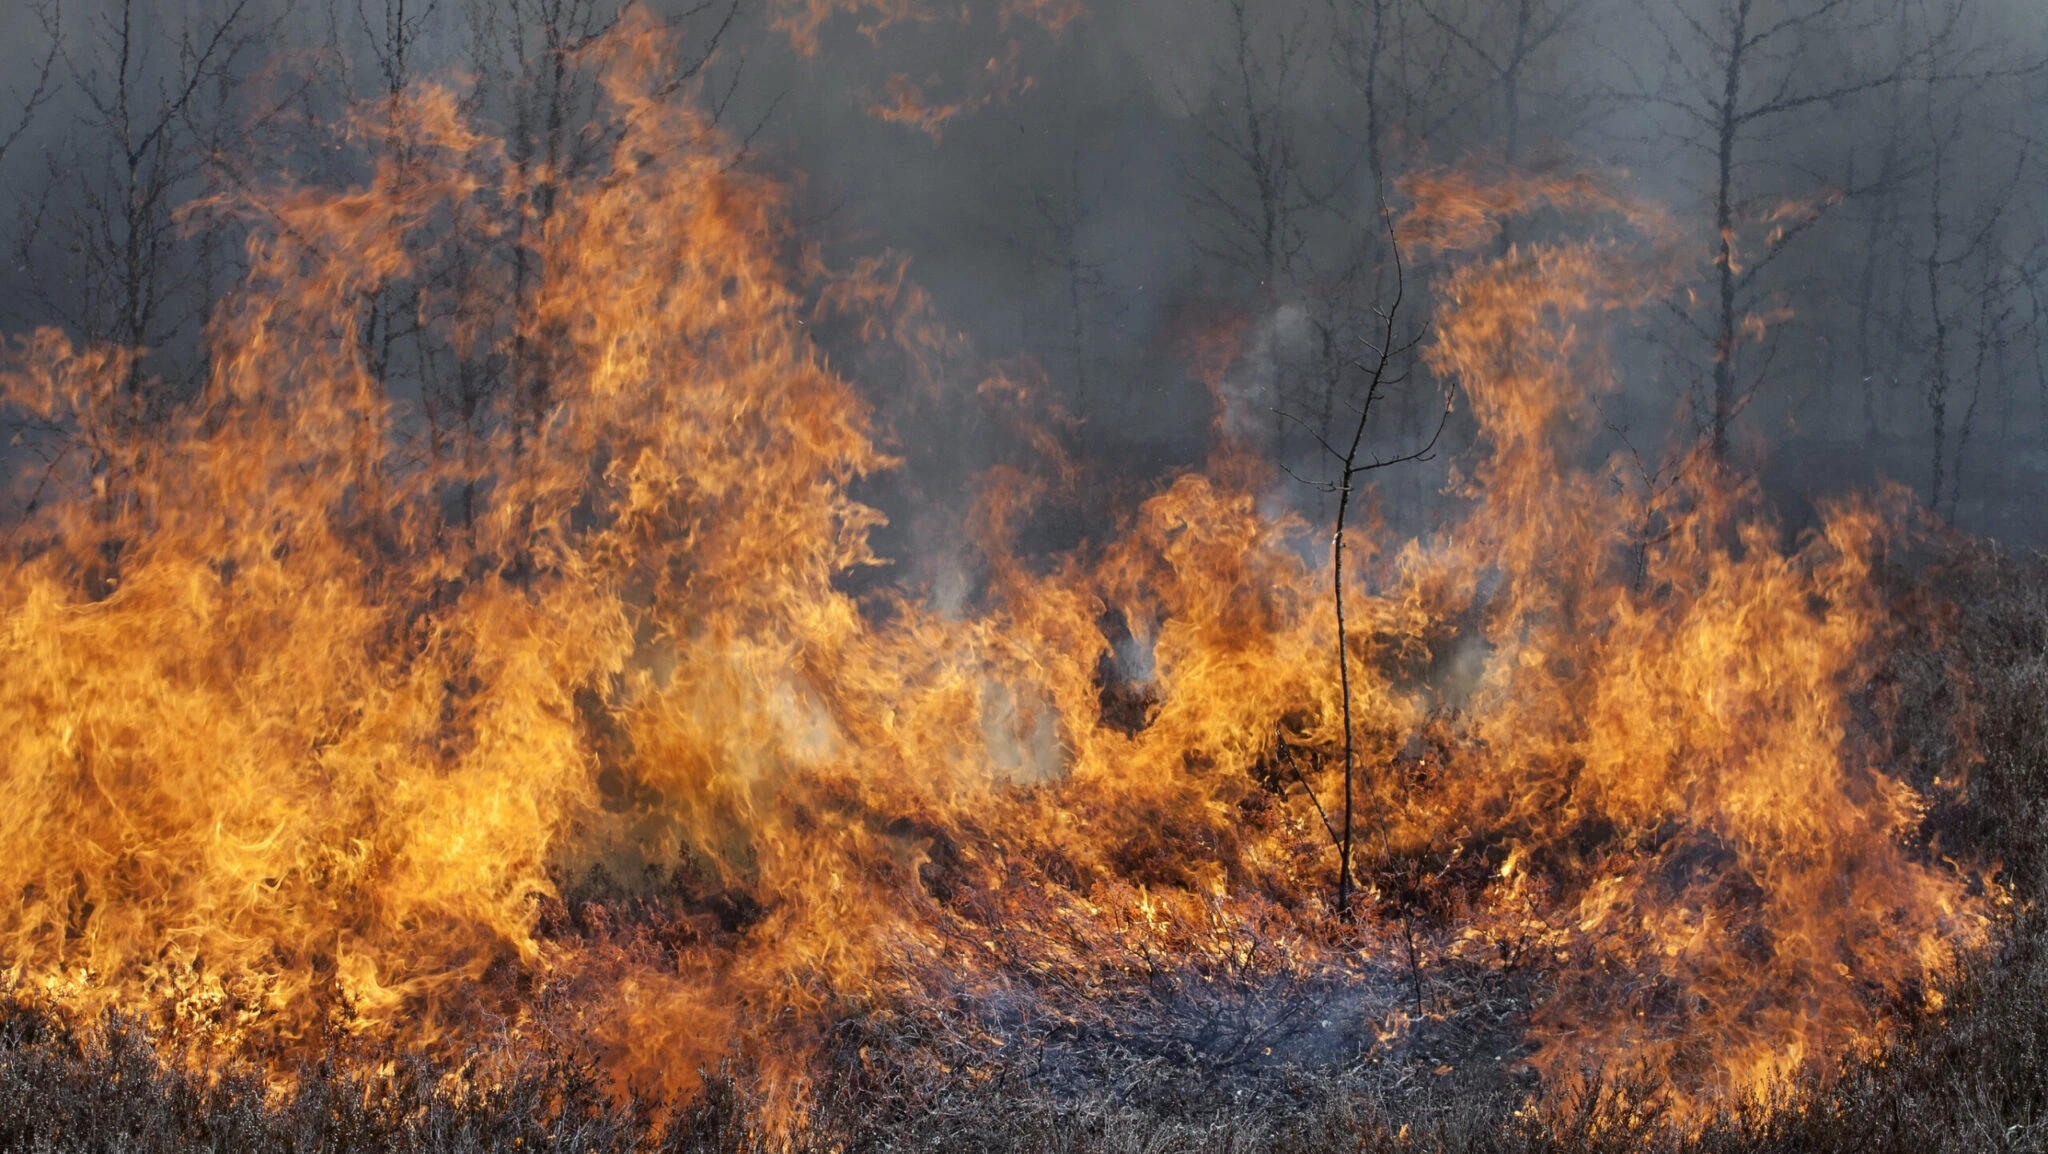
(1964, 680)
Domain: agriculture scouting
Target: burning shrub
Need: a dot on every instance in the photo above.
(322, 693)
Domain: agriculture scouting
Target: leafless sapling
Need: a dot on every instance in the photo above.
(1385, 352)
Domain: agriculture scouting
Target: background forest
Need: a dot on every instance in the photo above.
(1859, 183)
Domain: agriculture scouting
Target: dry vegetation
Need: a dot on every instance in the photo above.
(450, 721)
(1237, 1061)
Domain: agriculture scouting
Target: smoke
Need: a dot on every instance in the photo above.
(1107, 172)
(365, 661)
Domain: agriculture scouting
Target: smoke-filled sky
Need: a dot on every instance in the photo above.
(1118, 177)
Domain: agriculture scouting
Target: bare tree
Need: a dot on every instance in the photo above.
(1247, 191)
(393, 33)
(148, 121)
(1404, 68)
(26, 104)
(1879, 194)
(1250, 191)
(1380, 369)
(1532, 29)
(1273, 211)
(1738, 75)
(1946, 201)
(530, 55)
(1945, 255)
(1995, 309)
(1063, 217)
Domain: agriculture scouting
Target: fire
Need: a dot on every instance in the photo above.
(328, 684)
(930, 104)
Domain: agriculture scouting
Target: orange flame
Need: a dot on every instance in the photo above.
(321, 690)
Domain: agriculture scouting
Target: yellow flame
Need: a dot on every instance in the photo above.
(315, 695)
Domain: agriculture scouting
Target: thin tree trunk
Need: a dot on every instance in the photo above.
(1724, 226)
